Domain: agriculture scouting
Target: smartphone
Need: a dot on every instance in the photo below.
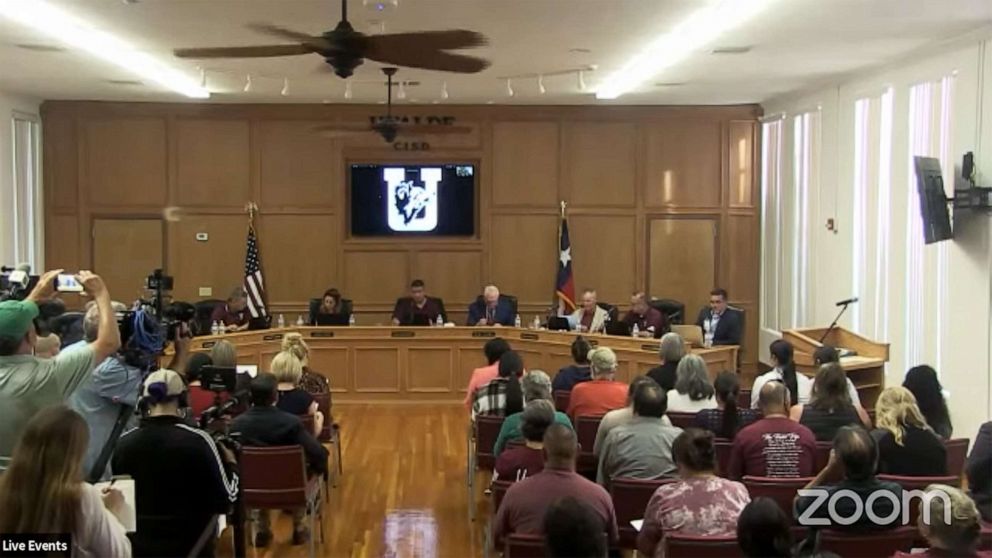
(67, 283)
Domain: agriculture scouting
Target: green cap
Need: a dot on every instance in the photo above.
(17, 317)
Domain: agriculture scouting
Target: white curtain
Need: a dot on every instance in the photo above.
(27, 191)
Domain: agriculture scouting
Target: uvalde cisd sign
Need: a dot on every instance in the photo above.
(416, 120)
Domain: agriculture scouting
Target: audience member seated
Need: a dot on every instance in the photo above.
(958, 538)
(576, 373)
(43, 491)
(232, 314)
(784, 371)
(311, 382)
(671, 351)
(267, 425)
(623, 415)
(906, 445)
(699, 504)
(494, 350)
(826, 354)
(47, 346)
(200, 398)
(288, 371)
(571, 530)
(923, 383)
(720, 324)
(650, 321)
(491, 310)
(30, 383)
(693, 391)
(589, 316)
(774, 446)
(855, 457)
(418, 308)
(764, 531)
(601, 394)
(979, 471)
(180, 481)
(502, 396)
(225, 355)
(830, 406)
(536, 386)
(520, 462)
(726, 419)
(526, 502)
(642, 448)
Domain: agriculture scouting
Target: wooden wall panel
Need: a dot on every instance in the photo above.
(125, 162)
(465, 362)
(299, 256)
(604, 255)
(136, 241)
(523, 249)
(295, 168)
(62, 243)
(213, 164)
(61, 163)
(385, 362)
(743, 158)
(682, 164)
(434, 366)
(333, 365)
(525, 164)
(218, 263)
(599, 165)
(374, 277)
(686, 275)
(741, 278)
(454, 276)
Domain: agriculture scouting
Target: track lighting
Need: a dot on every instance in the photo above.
(509, 87)
(401, 93)
(540, 85)
(582, 80)
(444, 90)
(285, 87)
(347, 90)
(248, 84)
(203, 78)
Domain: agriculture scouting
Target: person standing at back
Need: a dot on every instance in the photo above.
(922, 381)
(603, 393)
(720, 324)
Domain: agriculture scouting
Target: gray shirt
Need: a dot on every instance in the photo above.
(640, 449)
(613, 419)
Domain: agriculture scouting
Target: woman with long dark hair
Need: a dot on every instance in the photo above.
(727, 418)
(502, 396)
(830, 406)
(784, 371)
(43, 490)
(923, 383)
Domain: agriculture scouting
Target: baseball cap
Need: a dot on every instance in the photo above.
(17, 317)
(163, 384)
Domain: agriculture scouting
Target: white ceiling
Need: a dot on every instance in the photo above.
(795, 43)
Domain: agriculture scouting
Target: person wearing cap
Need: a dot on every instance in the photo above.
(29, 383)
(180, 478)
(603, 393)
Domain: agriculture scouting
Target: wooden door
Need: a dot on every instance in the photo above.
(682, 260)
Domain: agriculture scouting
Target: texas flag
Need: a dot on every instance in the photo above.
(565, 285)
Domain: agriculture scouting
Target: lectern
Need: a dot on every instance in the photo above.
(866, 368)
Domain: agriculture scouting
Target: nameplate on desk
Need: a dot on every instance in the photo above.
(403, 333)
(593, 343)
(483, 334)
(529, 336)
(209, 344)
(272, 337)
(321, 334)
(651, 347)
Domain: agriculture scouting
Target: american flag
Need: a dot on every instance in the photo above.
(254, 285)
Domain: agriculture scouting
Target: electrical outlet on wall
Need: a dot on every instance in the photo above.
(202, 237)
(206, 291)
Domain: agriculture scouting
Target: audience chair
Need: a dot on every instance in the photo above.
(722, 447)
(331, 434)
(782, 490)
(682, 546)
(985, 537)
(499, 489)
(744, 399)
(630, 499)
(204, 311)
(612, 311)
(919, 483)
(482, 439)
(523, 546)
(585, 432)
(957, 454)
(289, 489)
(562, 397)
(853, 544)
(673, 309)
(682, 420)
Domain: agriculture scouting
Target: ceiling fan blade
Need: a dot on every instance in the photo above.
(243, 52)
(438, 40)
(317, 41)
(345, 127)
(411, 56)
(429, 129)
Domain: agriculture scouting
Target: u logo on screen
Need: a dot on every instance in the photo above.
(412, 205)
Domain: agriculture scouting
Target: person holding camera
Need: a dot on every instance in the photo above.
(181, 480)
(29, 383)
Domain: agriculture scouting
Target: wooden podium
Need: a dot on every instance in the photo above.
(866, 369)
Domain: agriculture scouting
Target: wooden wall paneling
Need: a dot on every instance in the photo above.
(599, 164)
(603, 256)
(62, 240)
(375, 277)
(682, 163)
(218, 263)
(332, 363)
(299, 256)
(525, 164)
(61, 164)
(125, 162)
(384, 361)
(213, 162)
(467, 360)
(557, 361)
(523, 250)
(741, 164)
(454, 276)
(533, 360)
(137, 243)
(749, 348)
(742, 257)
(296, 165)
(435, 366)
(682, 261)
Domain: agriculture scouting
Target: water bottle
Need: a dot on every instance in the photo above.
(299, 320)
(635, 331)
(440, 321)
(516, 321)
(537, 322)
(351, 320)
(215, 328)
(282, 321)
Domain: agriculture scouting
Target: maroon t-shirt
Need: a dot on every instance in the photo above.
(519, 463)
(773, 447)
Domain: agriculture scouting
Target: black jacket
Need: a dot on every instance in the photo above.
(665, 375)
(271, 426)
(405, 310)
(180, 483)
(729, 329)
(979, 471)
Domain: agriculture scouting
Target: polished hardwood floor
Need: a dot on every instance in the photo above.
(403, 493)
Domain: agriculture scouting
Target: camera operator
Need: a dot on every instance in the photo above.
(28, 383)
(180, 479)
(108, 397)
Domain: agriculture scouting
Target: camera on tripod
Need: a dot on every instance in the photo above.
(172, 316)
(16, 282)
(220, 380)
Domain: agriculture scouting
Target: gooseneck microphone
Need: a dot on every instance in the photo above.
(845, 302)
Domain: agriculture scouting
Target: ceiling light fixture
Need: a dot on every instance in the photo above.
(58, 24)
(247, 88)
(700, 28)
(509, 87)
(444, 90)
(401, 93)
(285, 87)
(582, 80)
(347, 90)
(540, 85)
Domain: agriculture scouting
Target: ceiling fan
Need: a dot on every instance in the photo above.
(344, 49)
(389, 126)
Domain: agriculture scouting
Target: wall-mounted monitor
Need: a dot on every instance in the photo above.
(933, 200)
(436, 199)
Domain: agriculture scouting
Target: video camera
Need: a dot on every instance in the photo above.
(16, 282)
(219, 380)
(172, 315)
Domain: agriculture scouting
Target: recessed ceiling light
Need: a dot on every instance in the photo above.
(125, 81)
(731, 50)
(669, 83)
(579, 50)
(81, 35)
(41, 48)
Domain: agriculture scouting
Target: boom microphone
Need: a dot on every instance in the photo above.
(848, 301)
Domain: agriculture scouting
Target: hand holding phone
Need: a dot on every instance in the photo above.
(67, 283)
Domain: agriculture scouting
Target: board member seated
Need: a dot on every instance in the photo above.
(491, 309)
(330, 304)
(650, 321)
(721, 326)
(590, 316)
(418, 308)
(232, 313)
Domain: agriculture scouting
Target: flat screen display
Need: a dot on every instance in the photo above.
(933, 200)
(413, 200)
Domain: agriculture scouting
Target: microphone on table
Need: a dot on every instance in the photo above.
(848, 301)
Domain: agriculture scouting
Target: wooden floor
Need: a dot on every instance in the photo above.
(403, 493)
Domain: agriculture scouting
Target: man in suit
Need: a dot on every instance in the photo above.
(721, 326)
(491, 310)
(590, 316)
(418, 308)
